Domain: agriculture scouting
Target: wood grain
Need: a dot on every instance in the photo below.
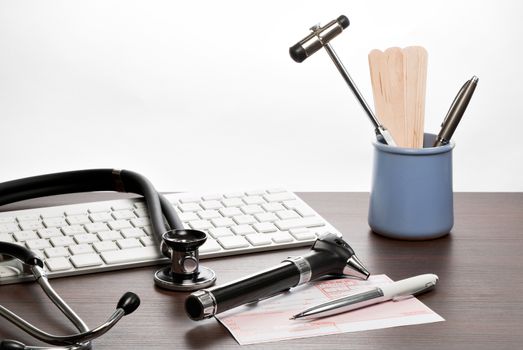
(480, 265)
(416, 58)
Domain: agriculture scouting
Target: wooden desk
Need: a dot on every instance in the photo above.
(480, 265)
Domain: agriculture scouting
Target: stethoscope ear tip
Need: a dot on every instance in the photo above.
(129, 302)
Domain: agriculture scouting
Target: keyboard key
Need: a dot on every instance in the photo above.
(273, 206)
(38, 244)
(22, 236)
(190, 200)
(123, 215)
(55, 252)
(128, 243)
(58, 264)
(265, 227)
(255, 193)
(105, 246)
(61, 241)
(222, 222)
(28, 217)
(214, 204)
(210, 246)
(54, 222)
(141, 213)
(6, 237)
(109, 235)
(285, 225)
(86, 260)
(258, 239)
(31, 225)
(232, 202)
(244, 219)
(140, 222)
(253, 200)
(80, 249)
(200, 224)
(122, 206)
(78, 219)
(210, 197)
(266, 217)
(119, 224)
(7, 220)
(131, 255)
(228, 212)
(73, 230)
(9, 227)
(276, 190)
(252, 209)
(278, 197)
(188, 207)
(186, 217)
(281, 237)
(133, 232)
(148, 241)
(233, 195)
(75, 211)
(302, 209)
(220, 232)
(100, 217)
(86, 238)
(242, 230)
(96, 227)
(209, 214)
(287, 214)
(49, 232)
(233, 242)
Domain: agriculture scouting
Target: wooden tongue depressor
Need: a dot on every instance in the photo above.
(388, 86)
(398, 84)
(416, 78)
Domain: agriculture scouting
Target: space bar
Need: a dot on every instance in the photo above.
(131, 255)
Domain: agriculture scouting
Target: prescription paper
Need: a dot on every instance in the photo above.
(268, 320)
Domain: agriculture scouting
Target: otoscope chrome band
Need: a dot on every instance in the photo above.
(303, 267)
(208, 302)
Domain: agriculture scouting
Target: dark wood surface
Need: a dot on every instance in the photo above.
(480, 294)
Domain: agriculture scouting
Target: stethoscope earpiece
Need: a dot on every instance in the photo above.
(185, 272)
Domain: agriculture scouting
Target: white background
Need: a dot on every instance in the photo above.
(201, 95)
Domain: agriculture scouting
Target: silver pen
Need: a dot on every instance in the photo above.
(391, 291)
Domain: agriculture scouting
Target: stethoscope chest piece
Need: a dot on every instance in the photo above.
(185, 272)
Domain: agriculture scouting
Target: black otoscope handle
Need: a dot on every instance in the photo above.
(330, 255)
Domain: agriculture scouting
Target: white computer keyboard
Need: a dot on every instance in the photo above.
(109, 235)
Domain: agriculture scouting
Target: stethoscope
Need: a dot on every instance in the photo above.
(180, 245)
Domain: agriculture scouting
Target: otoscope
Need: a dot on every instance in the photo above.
(330, 255)
(320, 37)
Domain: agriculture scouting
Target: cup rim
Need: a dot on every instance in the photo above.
(415, 151)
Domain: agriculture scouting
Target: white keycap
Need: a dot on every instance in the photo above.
(37, 244)
(214, 204)
(232, 202)
(54, 222)
(86, 260)
(265, 227)
(276, 190)
(6, 237)
(22, 236)
(55, 252)
(99, 209)
(58, 264)
(210, 197)
(86, 238)
(302, 234)
(253, 200)
(287, 214)
(190, 200)
(109, 235)
(28, 217)
(148, 241)
(7, 220)
(188, 207)
(131, 255)
(73, 230)
(255, 193)
(273, 206)
(140, 205)
(123, 215)
(9, 227)
(258, 239)
(49, 232)
(141, 213)
(128, 243)
(186, 217)
(78, 219)
(61, 241)
(140, 222)
(119, 224)
(278, 197)
(122, 206)
(232, 211)
(233, 195)
(105, 246)
(222, 222)
(200, 224)
(266, 217)
(244, 219)
(100, 217)
(75, 211)
(242, 230)
(251, 209)
(285, 225)
(30, 225)
(233, 242)
(80, 249)
(302, 209)
(133, 232)
(209, 214)
(220, 232)
(281, 237)
(210, 246)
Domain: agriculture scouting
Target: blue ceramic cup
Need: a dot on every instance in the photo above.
(411, 193)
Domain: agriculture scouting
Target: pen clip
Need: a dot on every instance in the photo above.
(427, 287)
(457, 98)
